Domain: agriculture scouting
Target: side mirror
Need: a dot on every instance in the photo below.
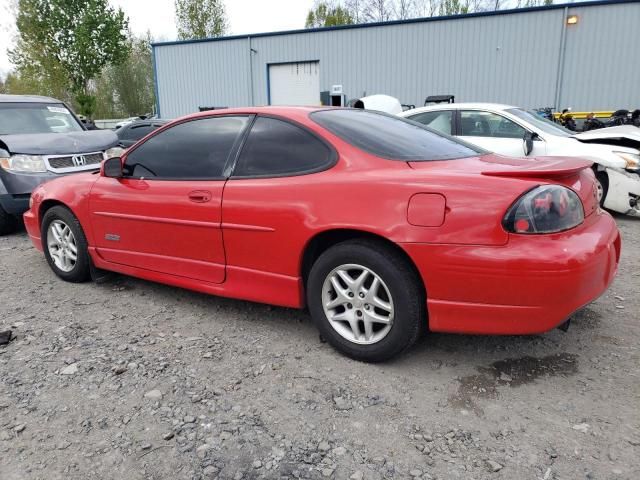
(527, 142)
(112, 167)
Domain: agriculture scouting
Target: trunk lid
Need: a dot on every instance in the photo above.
(499, 166)
(571, 172)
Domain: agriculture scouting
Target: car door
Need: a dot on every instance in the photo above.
(495, 133)
(264, 209)
(164, 214)
(439, 120)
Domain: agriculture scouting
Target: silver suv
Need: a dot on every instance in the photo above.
(41, 139)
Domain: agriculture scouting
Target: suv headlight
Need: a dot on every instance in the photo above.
(24, 163)
(545, 209)
(632, 160)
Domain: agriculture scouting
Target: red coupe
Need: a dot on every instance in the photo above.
(382, 227)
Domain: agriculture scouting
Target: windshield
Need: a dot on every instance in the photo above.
(25, 118)
(541, 123)
(392, 137)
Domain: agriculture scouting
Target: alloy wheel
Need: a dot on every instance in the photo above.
(62, 245)
(357, 304)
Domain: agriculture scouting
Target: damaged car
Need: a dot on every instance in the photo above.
(516, 132)
(41, 139)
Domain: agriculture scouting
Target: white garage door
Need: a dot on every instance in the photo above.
(294, 83)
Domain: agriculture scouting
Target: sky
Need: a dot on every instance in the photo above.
(157, 16)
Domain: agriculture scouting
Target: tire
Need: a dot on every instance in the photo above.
(602, 183)
(398, 287)
(77, 270)
(8, 222)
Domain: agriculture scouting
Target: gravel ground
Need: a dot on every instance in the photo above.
(129, 380)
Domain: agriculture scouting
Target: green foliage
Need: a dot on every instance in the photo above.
(64, 44)
(453, 7)
(200, 19)
(86, 104)
(127, 89)
(326, 15)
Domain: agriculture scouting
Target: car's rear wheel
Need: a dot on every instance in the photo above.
(64, 244)
(366, 299)
(8, 222)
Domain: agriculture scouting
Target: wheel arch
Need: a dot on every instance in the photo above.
(48, 205)
(326, 239)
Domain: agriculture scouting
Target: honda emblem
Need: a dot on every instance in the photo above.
(79, 160)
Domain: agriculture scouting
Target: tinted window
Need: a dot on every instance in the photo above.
(440, 121)
(136, 132)
(17, 118)
(391, 137)
(194, 149)
(487, 124)
(275, 147)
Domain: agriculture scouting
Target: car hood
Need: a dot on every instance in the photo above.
(623, 136)
(60, 143)
(499, 166)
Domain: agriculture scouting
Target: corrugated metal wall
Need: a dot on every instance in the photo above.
(510, 58)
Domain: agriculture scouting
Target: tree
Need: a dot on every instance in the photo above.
(404, 9)
(325, 14)
(200, 19)
(453, 7)
(426, 8)
(71, 40)
(127, 89)
(378, 10)
(532, 3)
(355, 9)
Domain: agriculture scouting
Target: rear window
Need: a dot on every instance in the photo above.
(392, 137)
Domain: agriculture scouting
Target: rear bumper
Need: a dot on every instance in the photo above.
(33, 229)
(530, 285)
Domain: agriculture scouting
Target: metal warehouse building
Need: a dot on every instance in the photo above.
(581, 55)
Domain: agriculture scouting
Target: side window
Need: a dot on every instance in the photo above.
(196, 149)
(439, 121)
(137, 132)
(486, 124)
(276, 148)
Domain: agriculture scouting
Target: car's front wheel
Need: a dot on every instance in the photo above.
(366, 299)
(64, 244)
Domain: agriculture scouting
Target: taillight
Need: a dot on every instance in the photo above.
(545, 209)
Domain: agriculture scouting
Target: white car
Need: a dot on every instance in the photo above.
(516, 132)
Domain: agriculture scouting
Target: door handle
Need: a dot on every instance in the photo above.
(200, 196)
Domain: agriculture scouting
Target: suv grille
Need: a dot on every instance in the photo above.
(79, 161)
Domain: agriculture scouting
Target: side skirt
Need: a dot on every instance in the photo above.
(241, 283)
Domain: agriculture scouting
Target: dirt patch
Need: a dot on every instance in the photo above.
(512, 372)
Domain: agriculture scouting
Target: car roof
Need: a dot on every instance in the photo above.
(275, 110)
(6, 98)
(160, 121)
(459, 106)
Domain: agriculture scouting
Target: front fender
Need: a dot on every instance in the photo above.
(624, 192)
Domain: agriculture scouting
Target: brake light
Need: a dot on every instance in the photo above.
(545, 209)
